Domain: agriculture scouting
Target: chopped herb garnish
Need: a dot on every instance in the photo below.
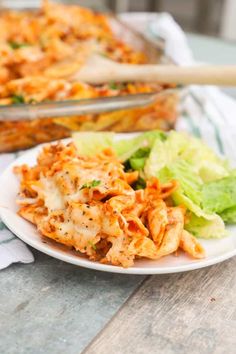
(18, 99)
(116, 86)
(92, 245)
(32, 100)
(17, 45)
(91, 184)
(95, 183)
(113, 86)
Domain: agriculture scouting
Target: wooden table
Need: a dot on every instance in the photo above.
(51, 307)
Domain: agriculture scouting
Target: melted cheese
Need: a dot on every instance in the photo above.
(52, 197)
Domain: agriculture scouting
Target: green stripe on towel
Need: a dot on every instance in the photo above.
(8, 240)
(211, 121)
(193, 127)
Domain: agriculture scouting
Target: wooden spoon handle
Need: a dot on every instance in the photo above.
(202, 75)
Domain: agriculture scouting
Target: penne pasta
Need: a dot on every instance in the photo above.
(190, 244)
(88, 203)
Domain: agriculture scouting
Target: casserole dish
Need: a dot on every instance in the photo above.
(37, 49)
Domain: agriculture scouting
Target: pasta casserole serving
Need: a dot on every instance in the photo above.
(94, 204)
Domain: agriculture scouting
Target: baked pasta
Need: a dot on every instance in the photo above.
(91, 204)
(38, 52)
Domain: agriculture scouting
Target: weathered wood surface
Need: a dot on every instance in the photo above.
(188, 313)
(52, 307)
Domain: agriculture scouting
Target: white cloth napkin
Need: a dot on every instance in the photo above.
(12, 249)
(205, 112)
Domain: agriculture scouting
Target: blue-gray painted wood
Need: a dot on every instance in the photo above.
(54, 307)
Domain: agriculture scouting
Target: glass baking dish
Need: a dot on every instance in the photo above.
(24, 94)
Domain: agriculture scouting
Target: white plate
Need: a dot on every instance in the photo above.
(216, 250)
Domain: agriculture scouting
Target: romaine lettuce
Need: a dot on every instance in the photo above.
(138, 159)
(190, 183)
(205, 228)
(192, 164)
(180, 146)
(229, 215)
(90, 143)
(219, 195)
(127, 147)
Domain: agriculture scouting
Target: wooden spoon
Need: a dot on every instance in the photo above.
(98, 70)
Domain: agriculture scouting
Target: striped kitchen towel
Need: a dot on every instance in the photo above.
(12, 249)
(205, 112)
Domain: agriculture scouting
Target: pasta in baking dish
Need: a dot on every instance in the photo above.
(39, 50)
(90, 203)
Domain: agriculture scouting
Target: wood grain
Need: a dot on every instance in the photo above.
(52, 307)
(99, 70)
(191, 312)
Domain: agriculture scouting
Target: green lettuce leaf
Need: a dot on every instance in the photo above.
(206, 228)
(219, 195)
(229, 215)
(192, 164)
(137, 161)
(127, 148)
(138, 147)
(180, 146)
(204, 161)
(90, 143)
(190, 184)
(199, 222)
